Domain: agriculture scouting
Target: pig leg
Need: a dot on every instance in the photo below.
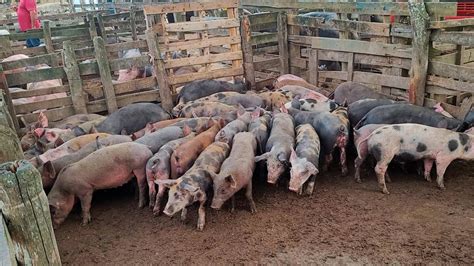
(202, 214)
(159, 197)
(428, 164)
(86, 200)
(358, 163)
(310, 187)
(441, 166)
(232, 203)
(141, 181)
(151, 193)
(328, 159)
(248, 194)
(342, 158)
(184, 213)
(380, 170)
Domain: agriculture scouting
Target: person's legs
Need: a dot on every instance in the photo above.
(32, 42)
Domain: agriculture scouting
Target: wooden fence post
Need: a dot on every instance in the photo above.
(313, 71)
(160, 71)
(6, 104)
(133, 24)
(5, 42)
(74, 78)
(100, 23)
(48, 42)
(7, 249)
(10, 148)
(419, 64)
(105, 75)
(282, 26)
(26, 211)
(92, 27)
(246, 33)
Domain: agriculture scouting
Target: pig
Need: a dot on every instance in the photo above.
(50, 169)
(331, 131)
(193, 185)
(227, 133)
(407, 113)
(360, 142)
(211, 98)
(289, 79)
(304, 160)
(152, 127)
(208, 110)
(415, 142)
(311, 105)
(260, 126)
(134, 72)
(302, 92)
(202, 88)
(70, 146)
(158, 167)
(358, 109)
(236, 172)
(468, 121)
(279, 145)
(87, 127)
(157, 139)
(105, 168)
(76, 120)
(273, 100)
(349, 92)
(198, 124)
(183, 157)
(46, 84)
(132, 118)
(16, 57)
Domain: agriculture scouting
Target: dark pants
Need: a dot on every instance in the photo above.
(32, 42)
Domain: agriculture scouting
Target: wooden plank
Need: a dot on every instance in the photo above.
(74, 79)
(273, 49)
(419, 20)
(439, 90)
(21, 36)
(125, 63)
(53, 114)
(451, 71)
(105, 75)
(262, 18)
(381, 79)
(7, 112)
(249, 68)
(232, 14)
(135, 85)
(218, 73)
(32, 61)
(7, 250)
(271, 27)
(379, 8)
(460, 38)
(133, 25)
(467, 56)
(341, 75)
(283, 43)
(92, 27)
(48, 43)
(35, 76)
(210, 58)
(313, 67)
(70, 32)
(196, 44)
(264, 38)
(451, 23)
(47, 104)
(116, 47)
(350, 67)
(266, 64)
(202, 25)
(89, 68)
(361, 47)
(38, 92)
(450, 84)
(190, 6)
(381, 61)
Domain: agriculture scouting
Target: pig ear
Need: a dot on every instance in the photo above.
(283, 109)
(240, 111)
(59, 141)
(293, 155)
(42, 120)
(189, 188)
(148, 128)
(38, 132)
(93, 130)
(166, 183)
(262, 157)
(311, 168)
(48, 170)
(256, 113)
(50, 136)
(231, 180)
(187, 130)
(281, 157)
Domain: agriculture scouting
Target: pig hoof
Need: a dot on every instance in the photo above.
(156, 212)
(358, 180)
(200, 226)
(385, 191)
(442, 187)
(345, 172)
(253, 210)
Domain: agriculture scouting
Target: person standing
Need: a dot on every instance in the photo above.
(28, 19)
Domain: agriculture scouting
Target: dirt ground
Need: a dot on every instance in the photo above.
(343, 222)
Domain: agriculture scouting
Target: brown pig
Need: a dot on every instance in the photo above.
(236, 172)
(273, 100)
(158, 167)
(183, 157)
(108, 167)
(193, 185)
(207, 110)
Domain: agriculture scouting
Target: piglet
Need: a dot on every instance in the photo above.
(305, 159)
(158, 167)
(236, 172)
(106, 168)
(183, 157)
(195, 183)
(279, 145)
(414, 142)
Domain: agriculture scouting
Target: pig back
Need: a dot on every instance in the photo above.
(212, 157)
(282, 131)
(358, 109)
(307, 144)
(157, 139)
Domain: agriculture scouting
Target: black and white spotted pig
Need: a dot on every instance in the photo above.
(312, 105)
(279, 145)
(414, 142)
(305, 159)
(192, 186)
(260, 126)
(227, 133)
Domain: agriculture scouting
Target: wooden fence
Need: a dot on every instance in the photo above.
(124, 26)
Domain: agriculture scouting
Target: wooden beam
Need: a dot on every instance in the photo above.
(462, 73)
(190, 6)
(249, 70)
(451, 23)
(419, 21)
(202, 25)
(283, 43)
(105, 75)
(313, 71)
(7, 112)
(74, 79)
(48, 42)
(460, 38)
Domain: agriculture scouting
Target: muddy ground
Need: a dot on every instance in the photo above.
(343, 222)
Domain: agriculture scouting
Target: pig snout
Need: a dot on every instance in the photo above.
(169, 211)
(217, 204)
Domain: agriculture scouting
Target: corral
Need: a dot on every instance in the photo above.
(409, 52)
